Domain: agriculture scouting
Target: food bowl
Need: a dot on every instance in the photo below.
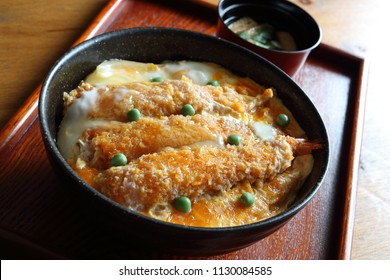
(282, 16)
(174, 44)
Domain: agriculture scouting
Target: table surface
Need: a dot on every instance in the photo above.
(35, 33)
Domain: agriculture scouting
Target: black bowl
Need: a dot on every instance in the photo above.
(283, 15)
(156, 45)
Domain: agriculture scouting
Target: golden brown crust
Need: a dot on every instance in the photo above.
(149, 135)
(167, 98)
(193, 171)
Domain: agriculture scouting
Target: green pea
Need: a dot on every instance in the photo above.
(119, 160)
(213, 83)
(282, 120)
(187, 110)
(182, 204)
(133, 115)
(247, 199)
(157, 79)
(234, 139)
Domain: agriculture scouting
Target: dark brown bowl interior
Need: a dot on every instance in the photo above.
(283, 15)
(156, 45)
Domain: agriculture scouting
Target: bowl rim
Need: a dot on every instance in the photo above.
(52, 149)
(284, 2)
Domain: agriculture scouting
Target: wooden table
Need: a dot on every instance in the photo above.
(35, 33)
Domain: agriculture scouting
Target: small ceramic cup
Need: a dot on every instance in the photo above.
(280, 14)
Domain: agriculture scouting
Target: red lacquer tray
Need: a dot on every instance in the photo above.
(38, 218)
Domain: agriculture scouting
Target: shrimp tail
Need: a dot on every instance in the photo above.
(303, 146)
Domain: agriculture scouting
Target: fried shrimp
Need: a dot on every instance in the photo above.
(148, 135)
(165, 99)
(193, 171)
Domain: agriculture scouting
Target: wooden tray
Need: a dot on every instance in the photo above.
(38, 218)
